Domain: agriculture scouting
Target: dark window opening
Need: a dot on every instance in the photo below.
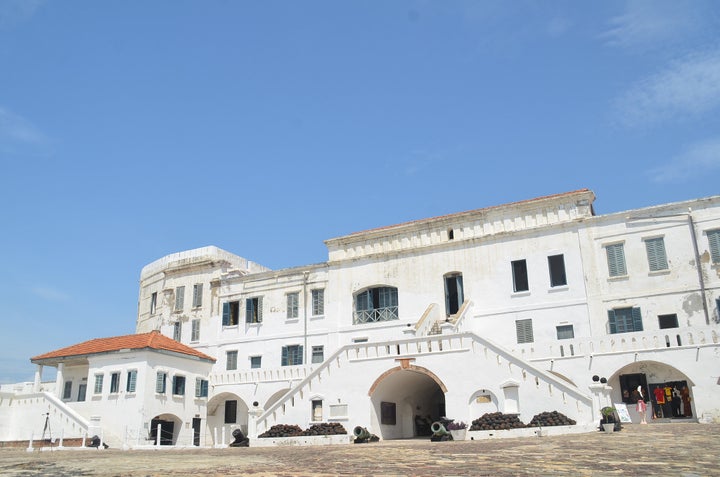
(520, 276)
(454, 296)
(376, 304)
(230, 412)
(667, 321)
(388, 413)
(253, 310)
(556, 264)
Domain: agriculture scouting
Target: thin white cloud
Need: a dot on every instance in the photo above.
(13, 12)
(686, 89)
(18, 136)
(50, 294)
(697, 160)
(651, 24)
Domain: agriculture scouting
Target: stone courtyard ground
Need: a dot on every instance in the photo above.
(673, 449)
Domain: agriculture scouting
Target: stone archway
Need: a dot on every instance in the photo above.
(165, 428)
(652, 375)
(406, 400)
(225, 413)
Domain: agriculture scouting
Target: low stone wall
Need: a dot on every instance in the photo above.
(302, 441)
(530, 432)
(73, 442)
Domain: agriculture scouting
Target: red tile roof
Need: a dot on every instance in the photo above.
(153, 340)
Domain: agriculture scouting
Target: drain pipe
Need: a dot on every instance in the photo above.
(701, 279)
(305, 324)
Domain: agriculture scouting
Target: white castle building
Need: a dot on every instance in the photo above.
(509, 309)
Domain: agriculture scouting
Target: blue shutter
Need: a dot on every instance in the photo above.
(714, 241)
(226, 314)
(248, 310)
(284, 359)
(637, 319)
(301, 355)
(611, 321)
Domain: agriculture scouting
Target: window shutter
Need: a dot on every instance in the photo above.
(284, 359)
(259, 310)
(160, 383)
(198, 387)
(226, 314)
(714, 240)
(637, 319)
(616, 260)
(459, 284)
(611, 321)
(131, 381)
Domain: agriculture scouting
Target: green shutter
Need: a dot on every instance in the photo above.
(226, 314)
(611, 321)
(637, 319)
(284, 359)
(714, 240)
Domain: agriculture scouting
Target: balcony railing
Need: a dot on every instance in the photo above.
(375, 315)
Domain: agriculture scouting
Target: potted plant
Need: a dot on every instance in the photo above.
(608, 420)
(457, 430)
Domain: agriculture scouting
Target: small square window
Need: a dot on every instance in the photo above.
(255, 362)
(565, 332)
(524, 330)
(179, 385)
(667, 321)
(318, 354)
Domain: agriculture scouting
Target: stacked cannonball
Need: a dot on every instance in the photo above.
(496, 421)
(325, 429)
(291, 430)
(282, 430)
(554, 418)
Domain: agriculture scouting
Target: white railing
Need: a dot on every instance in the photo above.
(377, 314)
(427, 320)
(656, 340)
(284, 373)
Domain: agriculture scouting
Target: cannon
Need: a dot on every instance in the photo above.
(240, 439)
(439, 432)
(362, 435)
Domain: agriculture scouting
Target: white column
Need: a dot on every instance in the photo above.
(253, 414)
(59, 380)
(38, 378)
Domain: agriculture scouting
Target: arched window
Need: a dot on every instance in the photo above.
(376, 304)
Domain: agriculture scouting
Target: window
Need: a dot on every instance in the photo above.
(616, 260)
(524, 331)
(82, 390)
(153, 303)
(316, 410)
(98, 384)
(179, 298)
(667, 321)
(255, 362)
(318, 354)
(67, 390)
(231, 360)
(520, 276)
(114, 383)
(714, 241)
(197, 295)
(292, 355)
(376, 304)
(230, 412)
(453, 293)
(624, 320)
(201, 387)
(556, 265)
(318, 302)
(195, 330)
(657, 260)
(388, 413)
(177, 331)
(160, 382)
(253, 310)
(178, 385)
(565, 332)
(231, 313)
(131, 381)
(293, 299)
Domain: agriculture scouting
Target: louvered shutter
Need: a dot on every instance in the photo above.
(637, 319)
(616, 260)
(611, 321)
(714, 240)
(284, 359)
(226, 314)
(657, 259)
(259, 309)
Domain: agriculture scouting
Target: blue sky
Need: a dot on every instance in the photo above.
(131, 130)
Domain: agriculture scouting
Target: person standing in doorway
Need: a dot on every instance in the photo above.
(641, 406)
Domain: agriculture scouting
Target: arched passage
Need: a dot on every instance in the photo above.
(406, 400)
(667, 391)
(225, 413)
(166, 428)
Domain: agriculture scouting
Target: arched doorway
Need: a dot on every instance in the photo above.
(667, 391)
(405, 401)
(165, 428)
(225, 413)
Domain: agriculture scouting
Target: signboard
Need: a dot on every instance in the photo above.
(622, 411)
